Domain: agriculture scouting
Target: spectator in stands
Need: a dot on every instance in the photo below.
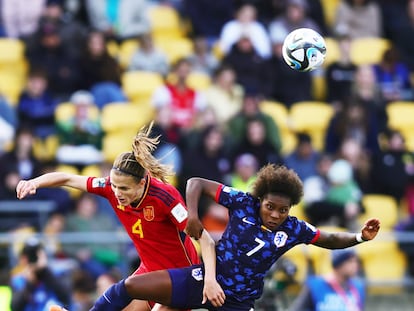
(203, 60)
(255, 141)
(245, 25)
(185, 102)
(392, 168)
(237, 125)
(244, 172)
(224, 95)
(366, 91)
(304, 158)
(340, 74)
(393, 77)
(36, 287)
(341, 289)
(99, 71)
(80, 136)
(295, 16)
(403, 33)
(19, 18)
(18, 163)
(71, 31)
(341, 204)
(282, 83)
(147, 57)
(356, 121)
(47, 51)
(95, 258)
(119, 20)
(105, 280)
(83, 290)
(249, 66)
(8, 124)
(36, 106)
(358, 19)
(208, 18)
(209, 157)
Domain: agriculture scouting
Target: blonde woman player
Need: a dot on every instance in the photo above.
(152, 211)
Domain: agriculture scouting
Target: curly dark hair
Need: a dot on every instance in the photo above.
(278, 179)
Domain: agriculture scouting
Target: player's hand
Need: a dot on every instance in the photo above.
(194, 228)
(370, 229)
(25, 188)
(213, 292)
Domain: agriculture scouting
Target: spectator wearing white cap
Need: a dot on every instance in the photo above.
(80, 135)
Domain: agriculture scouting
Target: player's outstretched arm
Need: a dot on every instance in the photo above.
(346, 239)
(56, 179)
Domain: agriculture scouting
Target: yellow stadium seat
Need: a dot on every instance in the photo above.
(280, 114)
(118, 117)
(91, 170)
(113, 48)
(126, 50)
(381, 206)
(368, 50)
(333, 53)
(321, 257)
(329, 10)
(140, 85)
(5, 297)
(400, 117)
(175, 48)
(313, 118)
(115, 143)
(11, 50)
(319, 87)
(45, 149)
(165, 22)
(11, 85)
(199, 81)
(384, 264)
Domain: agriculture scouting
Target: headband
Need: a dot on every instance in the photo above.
(127, 172)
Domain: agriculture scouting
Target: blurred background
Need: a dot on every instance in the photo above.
(79, 78)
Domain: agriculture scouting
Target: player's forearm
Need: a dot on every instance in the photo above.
(54, 179)
(192, 196)
(208, 253)
(338, 240)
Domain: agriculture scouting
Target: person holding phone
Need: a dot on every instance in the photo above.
(36, 287)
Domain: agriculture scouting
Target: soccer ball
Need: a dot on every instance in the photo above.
(304, 49)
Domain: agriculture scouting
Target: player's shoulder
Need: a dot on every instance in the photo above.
(165, 192)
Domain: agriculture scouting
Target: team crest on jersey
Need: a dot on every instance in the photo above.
(98, 182)
(280, 238)
(149, 213)
(197, 274)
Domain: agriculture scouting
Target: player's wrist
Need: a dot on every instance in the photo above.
(360, 238)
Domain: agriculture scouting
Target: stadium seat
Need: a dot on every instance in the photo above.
(126, 50)
(384, 264)
(381, 206)
(118, 118)
(5, 297)
(298, 256)
(11, 50)
(91, 170)
(199, 81)
(329, 8)
(175, 48)
(319, 86)
(280, 114)
(321, 257)
(11, 85)
(368, 50)
(140, 85)
(115, 143)
(165, 22)
(400, 117)
(313, 118)
(113, 48)
(332, 51)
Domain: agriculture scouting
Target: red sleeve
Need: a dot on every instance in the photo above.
(316, 237)
(218, 191)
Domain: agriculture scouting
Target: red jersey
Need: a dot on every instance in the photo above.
(183, 106)
(155, 225)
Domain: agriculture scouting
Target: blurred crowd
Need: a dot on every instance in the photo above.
(217, 67)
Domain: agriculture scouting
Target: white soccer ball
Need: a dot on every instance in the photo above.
(304, 49)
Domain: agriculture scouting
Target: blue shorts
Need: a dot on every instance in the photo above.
(187, 291)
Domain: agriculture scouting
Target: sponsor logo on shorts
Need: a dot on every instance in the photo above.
(197, 274)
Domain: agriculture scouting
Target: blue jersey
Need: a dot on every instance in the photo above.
(247, 249)
(245, 253)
